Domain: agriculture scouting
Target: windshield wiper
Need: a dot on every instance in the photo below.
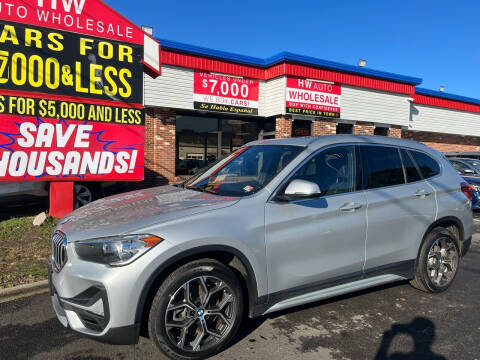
(209, 191)
(200, 189)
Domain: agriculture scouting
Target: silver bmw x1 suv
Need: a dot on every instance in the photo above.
(276, 224)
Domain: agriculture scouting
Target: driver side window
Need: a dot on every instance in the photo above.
(333, 170)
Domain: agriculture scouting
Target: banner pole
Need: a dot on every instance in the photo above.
(61, 198)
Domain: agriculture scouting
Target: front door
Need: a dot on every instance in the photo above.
(319, 242)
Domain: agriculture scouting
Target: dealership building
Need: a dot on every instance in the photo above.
(208, 103)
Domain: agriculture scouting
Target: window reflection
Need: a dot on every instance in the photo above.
(196, 143)
(202, 140)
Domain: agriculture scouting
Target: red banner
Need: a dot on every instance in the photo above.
(309, 97)
(32, 148)
(71, 91)
(89, 17)
(223, 93)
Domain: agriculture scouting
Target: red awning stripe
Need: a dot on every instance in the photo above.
(201, 63)
(282, 69)
(445, 103)
(348, 79)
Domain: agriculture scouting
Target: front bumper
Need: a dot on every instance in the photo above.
(99, 301)
(89, 314)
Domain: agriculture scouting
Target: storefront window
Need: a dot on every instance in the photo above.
(202, 140)
(344, 128)
(382, 131)
(236, 133)
(196, 138)
(301, 128)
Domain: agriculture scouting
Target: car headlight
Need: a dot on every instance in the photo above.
(115, 250)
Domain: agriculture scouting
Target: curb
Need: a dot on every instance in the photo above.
(22, 291)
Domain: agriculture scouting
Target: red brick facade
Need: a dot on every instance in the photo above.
(364, 129)
(444, 142)
(159, 146)
(283, 128)
(324, 127)
(395, 132)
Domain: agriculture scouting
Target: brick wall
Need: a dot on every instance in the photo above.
(324, 127)
(444, 142)
(364, 129)
(283, 128)
(395, 132)
(159, 146)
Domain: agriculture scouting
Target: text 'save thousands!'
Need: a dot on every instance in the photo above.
(315, 98)
(223, 93)
(55, 149)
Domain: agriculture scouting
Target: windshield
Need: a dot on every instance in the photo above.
(245, 171)
(474, 163)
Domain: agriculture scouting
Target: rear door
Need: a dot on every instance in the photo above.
(401, 206)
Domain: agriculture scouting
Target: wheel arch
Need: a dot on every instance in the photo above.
(446, 222)
(227, 255)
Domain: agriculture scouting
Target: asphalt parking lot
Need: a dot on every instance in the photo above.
(389, 322)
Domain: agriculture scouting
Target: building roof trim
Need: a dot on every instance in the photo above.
(285, 57)
(443, 95)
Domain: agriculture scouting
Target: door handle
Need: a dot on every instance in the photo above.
(422, 193)
(350, 206)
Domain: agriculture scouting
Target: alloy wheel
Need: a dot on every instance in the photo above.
(442, 261)
(83, 195)
(200, 314)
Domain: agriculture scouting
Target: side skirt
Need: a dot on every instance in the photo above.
(334, 287)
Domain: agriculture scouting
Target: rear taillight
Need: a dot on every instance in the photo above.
(467, 190)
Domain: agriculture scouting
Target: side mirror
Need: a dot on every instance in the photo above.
(300, 189)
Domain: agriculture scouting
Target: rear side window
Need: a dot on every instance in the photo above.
(410, 168)
(426, 164)
(382, 166)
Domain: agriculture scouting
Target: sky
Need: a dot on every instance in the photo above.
(437, 41)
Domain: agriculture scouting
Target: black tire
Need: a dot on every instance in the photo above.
(422, 280)
(189, 273)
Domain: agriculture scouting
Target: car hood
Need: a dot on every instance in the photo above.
(132, 211)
